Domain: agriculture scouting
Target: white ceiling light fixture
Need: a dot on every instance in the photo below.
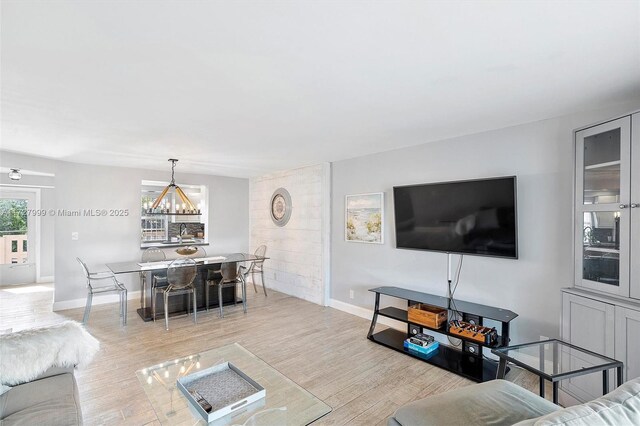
(14, 174)
(25, 172)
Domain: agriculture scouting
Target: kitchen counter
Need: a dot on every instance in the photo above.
(160, 244)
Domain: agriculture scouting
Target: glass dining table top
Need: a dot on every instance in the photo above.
(137, 266)
(555, 359)
(285, 402)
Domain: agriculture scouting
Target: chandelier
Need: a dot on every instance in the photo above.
(187, 205)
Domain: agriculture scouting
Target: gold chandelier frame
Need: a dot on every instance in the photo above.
(176, 188)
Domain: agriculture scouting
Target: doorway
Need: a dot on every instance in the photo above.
(19, 235)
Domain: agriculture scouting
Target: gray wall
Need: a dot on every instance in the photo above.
(113, 239)
(540, 154)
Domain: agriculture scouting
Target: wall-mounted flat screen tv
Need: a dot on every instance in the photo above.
(475, 217)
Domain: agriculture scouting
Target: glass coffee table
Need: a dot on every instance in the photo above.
(555, 360)
(285, 403)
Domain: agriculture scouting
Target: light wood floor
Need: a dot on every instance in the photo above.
(322, 349)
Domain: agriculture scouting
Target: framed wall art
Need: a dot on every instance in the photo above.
(364, 218)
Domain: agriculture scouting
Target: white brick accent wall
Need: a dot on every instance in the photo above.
(299, 251)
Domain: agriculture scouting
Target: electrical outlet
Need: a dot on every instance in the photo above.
(352, 294)
(74, 236)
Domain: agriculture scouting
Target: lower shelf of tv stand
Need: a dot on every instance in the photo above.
(472, 367)
(402, 316)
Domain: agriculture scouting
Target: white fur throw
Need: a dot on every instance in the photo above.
(26, 354)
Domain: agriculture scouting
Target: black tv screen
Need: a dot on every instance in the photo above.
(465, 217)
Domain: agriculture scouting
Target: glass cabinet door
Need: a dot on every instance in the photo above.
(635, 208)
(603, 156)
(601, 168)
(601, 247)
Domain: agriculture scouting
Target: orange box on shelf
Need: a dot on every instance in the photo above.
(478, 333)
(427, 315)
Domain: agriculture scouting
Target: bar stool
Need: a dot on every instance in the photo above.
(115, 287)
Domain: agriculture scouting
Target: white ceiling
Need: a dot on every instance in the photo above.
(243, 88)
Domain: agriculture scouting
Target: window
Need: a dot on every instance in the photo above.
(13, 227)
(158, 226)
(24, 246)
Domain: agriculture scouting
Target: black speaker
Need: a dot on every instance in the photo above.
(415, 329)
(472, 319)
(472, 348)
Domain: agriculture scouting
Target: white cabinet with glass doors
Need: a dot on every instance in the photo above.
(607, 198)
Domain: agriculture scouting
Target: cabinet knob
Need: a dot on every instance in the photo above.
(623, 206)
(634, 205)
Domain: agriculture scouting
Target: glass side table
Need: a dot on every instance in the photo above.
(555, 360)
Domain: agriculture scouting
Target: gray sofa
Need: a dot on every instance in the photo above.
(51, 399)
(37, 382)
(499, 402)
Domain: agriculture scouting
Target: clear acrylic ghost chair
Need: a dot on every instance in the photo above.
(257, 267)
(180, 276)
(109, 285)
(158, 277)
(227, 276)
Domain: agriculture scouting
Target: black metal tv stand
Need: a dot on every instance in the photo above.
(462, 362)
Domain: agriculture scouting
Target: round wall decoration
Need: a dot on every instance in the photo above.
(280, 207)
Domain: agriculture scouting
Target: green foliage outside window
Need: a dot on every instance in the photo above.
(146, 199)
(13, 217)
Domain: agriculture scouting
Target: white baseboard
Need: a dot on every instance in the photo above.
(366, 314)
(99, 299)
(47, 279)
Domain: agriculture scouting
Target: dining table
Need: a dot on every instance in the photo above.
(204, 264)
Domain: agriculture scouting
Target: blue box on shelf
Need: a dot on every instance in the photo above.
(424, 350)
